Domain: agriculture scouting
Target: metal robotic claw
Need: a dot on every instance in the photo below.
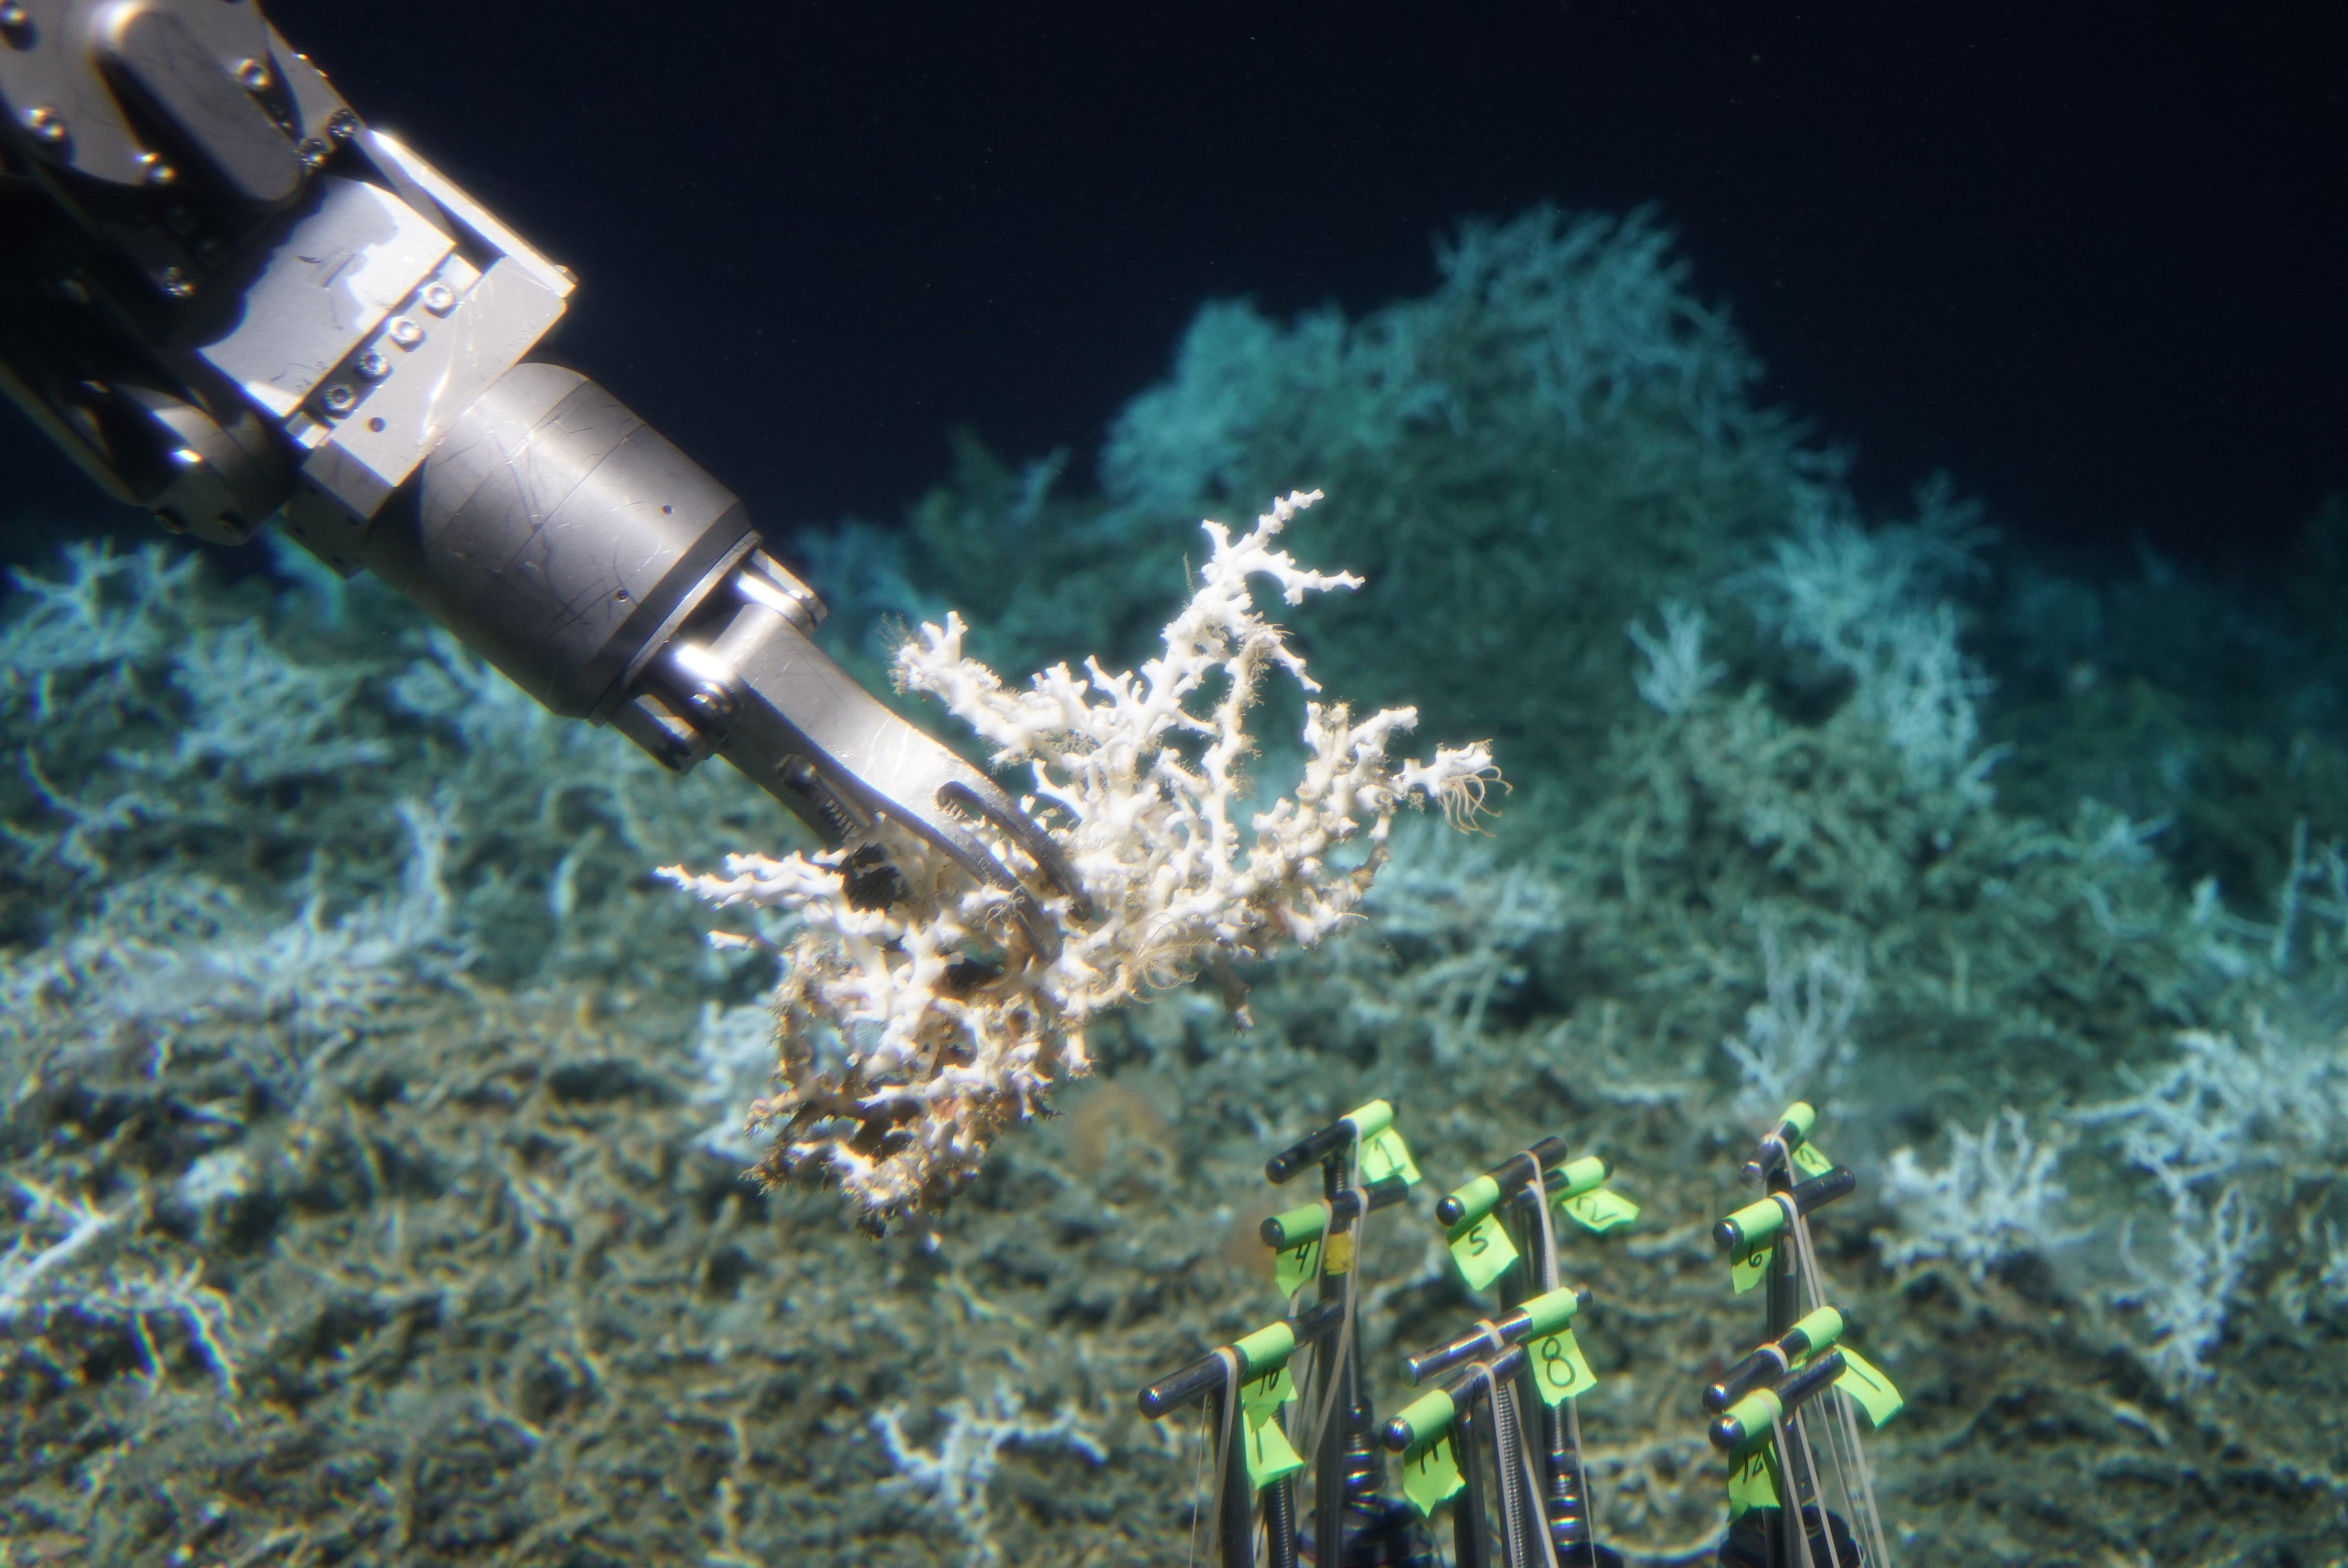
(228, 299)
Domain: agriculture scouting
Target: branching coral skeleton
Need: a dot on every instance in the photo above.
(955, 1479)
(1997, 1196)
(947, 1025)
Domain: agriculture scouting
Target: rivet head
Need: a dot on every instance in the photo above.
(339, 399)
(342, 125)
(46, 124)
(13, 17)
(371, 366)
(254, 75)
(176, 281)
(404, 332)
(154, 171)
(711, 704)
(312, 151)
(440, 299)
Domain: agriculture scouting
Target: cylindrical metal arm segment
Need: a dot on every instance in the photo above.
(1756, 1224)
(1745, 1422)
(1819, 1191)
(1777, 1145)
(1258, 1352)
(1423, 1419)
(1475, 1200)
(1815, 1332)
(1363, 1122)
(1293, 1227)
(1544, 1313)
(559, 536)
(1576, 1177)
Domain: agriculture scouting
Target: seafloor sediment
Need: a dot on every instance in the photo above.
(372, 1146)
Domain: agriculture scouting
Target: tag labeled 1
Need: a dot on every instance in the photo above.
(1270, 1455)
(1431, 1473)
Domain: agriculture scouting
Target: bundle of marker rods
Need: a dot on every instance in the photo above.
(1769, 1418)
(1498, 1438)
(1471, 1438)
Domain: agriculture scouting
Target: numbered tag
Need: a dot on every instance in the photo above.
(1750, 1270)
(1560, 1369)
(1292, 1270)
(1483, 1251)
(1810, 1160)
(1599, 1211)
(1260, 1397)
(1270, 1455)
(1867, 1389)
(1753, 1480)
(1385, 1157)
(1430, 1475)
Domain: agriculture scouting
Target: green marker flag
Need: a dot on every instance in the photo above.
(1578, 1191)
(1269, 1454)
(1752, 1233)
(1600, 1210)
(1386, 1156)
(1560, 1369)
(1483, 1251)
(1267, 1393)
(1867, 1387)
(1292, 1270)
(1430, 1472)
(1753, 1479)
(1811, 1160)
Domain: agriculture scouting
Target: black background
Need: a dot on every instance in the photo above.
(2093, 259)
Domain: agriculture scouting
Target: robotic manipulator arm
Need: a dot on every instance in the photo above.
(229, 299)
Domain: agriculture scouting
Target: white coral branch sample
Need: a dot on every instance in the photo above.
(2222, 1108)
(1996, 1196)
(955, 1479)
(2184, 1299)
(945, 1024)
(1798, 1037)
